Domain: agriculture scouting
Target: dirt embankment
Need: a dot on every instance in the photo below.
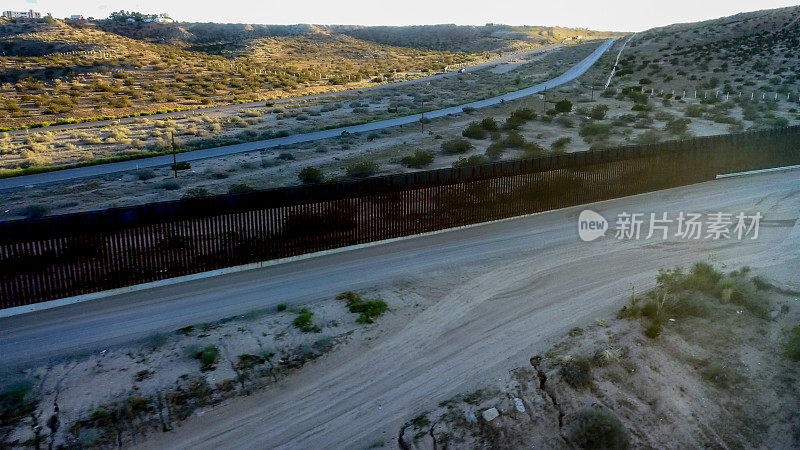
(704, 360)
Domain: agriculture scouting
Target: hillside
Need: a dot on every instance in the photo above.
(57, 71)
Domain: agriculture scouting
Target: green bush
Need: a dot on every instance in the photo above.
(303, 321)
(240, 188)
(208, 357)
(474, 131)
(563, 106)
(362, 169)
(595, 130)
(677, 126)
(34, 211)
(495, 150)
(577, 373)
(599, 428)
(653, 330)
(368, 310)
(281, 307)
(145, 174)
(792, 345)
(183, 165)
(456, 146)
(311, 175)
(489, 124)
(560, 143)
(649, 137)
(514, 140)
(419, 159)
(196, 192)
(474, 160)
(599, 112)
(16, 401)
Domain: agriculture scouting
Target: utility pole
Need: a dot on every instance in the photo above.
(422, 119)
(174, 158)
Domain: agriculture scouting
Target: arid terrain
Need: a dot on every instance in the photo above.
(644, 103)
(488, 300)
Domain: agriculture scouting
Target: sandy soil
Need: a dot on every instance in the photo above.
(720, 381)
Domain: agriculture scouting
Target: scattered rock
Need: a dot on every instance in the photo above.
(518, 404)
(774, 314)
(490, 414)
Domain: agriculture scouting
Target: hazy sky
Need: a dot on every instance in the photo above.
(624, 15)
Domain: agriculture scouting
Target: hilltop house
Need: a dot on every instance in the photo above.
(30, 14)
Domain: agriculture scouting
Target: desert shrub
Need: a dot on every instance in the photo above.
(155, 341)
(196, 192)
(208, 357)
(455, 146)
(532, 149)
(34, 211)
(563, 106)
(240, 188)
(281, 307)
(183, 165)
(564, 121)
(514, 140)
(739, 289)
(362, 169)
(16, 401)
(577, 373)
(677, 126)
(489, 124)
(595, 131)
(599, 112)
(792, 345)
(368, 310)
(694, 111)
(560, 143)
(649, 137)
(474, 160)
(419, 159)
(653, 330)
(310, 175)
(474, 131)
(718, 374)
(513, 123)
(285, 156)
(524, 114)
(304, 322)
(598, 428)
(495, 150)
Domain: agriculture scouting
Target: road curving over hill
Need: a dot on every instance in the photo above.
(160, 161)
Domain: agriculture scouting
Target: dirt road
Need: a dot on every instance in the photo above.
(514, 287)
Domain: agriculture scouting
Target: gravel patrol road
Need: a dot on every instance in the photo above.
(515, 286)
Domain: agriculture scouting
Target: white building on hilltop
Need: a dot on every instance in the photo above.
(31, 14)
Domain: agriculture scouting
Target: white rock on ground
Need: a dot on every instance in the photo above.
(490, 414)
(518, 404)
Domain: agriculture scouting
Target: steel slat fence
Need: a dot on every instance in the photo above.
(60, 256)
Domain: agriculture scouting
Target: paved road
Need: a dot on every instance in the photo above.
(159, 161)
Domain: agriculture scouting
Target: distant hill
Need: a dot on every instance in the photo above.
(78, 69)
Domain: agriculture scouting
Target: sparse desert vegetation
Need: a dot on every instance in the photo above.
(608, 386)
(158, 382)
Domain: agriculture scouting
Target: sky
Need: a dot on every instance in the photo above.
(623, 15)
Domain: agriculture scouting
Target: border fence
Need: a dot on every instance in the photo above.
(61, 256)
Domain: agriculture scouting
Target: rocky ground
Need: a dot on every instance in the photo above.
(718, 373)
